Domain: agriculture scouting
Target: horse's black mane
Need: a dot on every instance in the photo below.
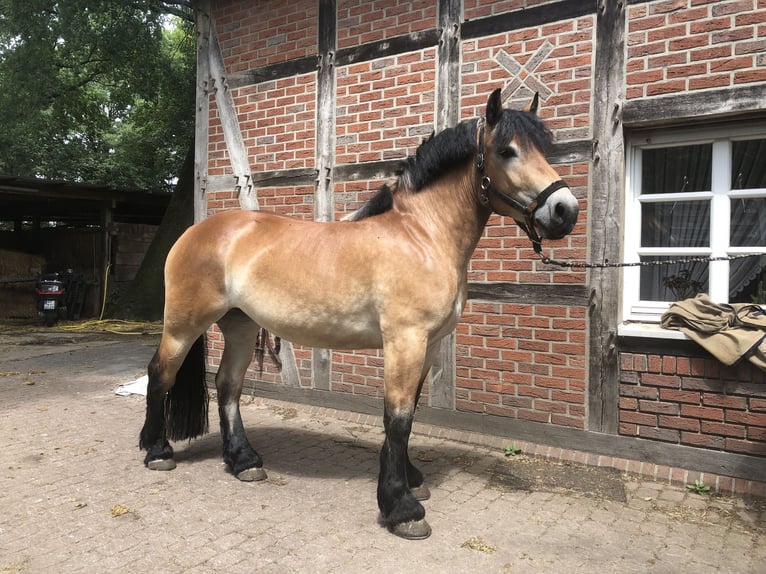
(450, 149)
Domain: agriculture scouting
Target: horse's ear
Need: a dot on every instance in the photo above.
(494, 108)
(532, 106)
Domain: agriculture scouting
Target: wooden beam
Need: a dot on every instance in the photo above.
(530, 294)
(604, 212)
(202, 108)
(286, 69)
(528, 17)
(441, 392)
(390, 47)
(694, 106)
(235, 144)
(321, 362)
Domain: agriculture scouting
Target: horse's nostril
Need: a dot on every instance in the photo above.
(560, 210)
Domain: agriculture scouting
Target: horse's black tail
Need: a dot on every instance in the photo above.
(187, 401)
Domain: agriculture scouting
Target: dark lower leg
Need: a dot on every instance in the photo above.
(237, 451)
(396, 503)
(153, 438)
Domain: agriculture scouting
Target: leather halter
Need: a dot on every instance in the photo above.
(527, 211)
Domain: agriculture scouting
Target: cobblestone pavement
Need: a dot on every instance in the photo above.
(75, 496)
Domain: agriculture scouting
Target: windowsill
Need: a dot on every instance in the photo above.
(649, 331)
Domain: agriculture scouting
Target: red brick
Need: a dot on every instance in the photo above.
(655, 380)
(627, 429)
(750, 419)
(643, 419)
(747, 447)
(749, 76)
(708, 413)
(725, 401)
(690, 397)
(661, 434)
(661, 88)
(680, 423)
(722, 429)
(638, 391)
(702, 440)
(626, 403)
(658, 407)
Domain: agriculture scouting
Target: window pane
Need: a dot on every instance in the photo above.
(675, 224)
(673, 282)
(748, 168)
(676, 169)
(747, 280)
(747, 228)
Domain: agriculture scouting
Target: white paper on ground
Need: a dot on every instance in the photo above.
(137, 387)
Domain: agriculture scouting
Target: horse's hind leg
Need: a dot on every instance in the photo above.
(240, 334)
(175, 358)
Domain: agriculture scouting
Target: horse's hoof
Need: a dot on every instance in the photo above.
(420, 492)
(412, 530)
(252, 475)
(161, 464)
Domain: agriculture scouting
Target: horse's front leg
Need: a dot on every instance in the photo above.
(404, 372)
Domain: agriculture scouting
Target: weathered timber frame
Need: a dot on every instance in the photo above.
(611, 117)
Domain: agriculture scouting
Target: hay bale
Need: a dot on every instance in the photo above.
(14, 264)
(17, 300)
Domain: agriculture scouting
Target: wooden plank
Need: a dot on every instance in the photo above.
(284, 177)
(604, 210)
(286, 69)
(528, 17)
(384, 169)
(390, 47)
(694, 106)
(441, 380)
(576, 151)
(530, 294)
(321, 363)
(202, 108)
(235, 144)
(443, 376)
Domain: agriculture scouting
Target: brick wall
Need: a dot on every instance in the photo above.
(385, 107)
(680, 45)
(252, 35)
(365, 21)
(522, 361)
(694, 401)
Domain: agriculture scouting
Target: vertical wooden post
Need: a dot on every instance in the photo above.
(442, 376)
(604, 205)
(202, 109)
(321, 359)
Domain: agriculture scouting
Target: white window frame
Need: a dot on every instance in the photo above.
(640, 318)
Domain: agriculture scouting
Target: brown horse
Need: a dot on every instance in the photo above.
(394, 277)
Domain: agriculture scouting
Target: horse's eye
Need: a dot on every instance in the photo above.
(507, 153)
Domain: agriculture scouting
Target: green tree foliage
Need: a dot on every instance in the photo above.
(99, 91)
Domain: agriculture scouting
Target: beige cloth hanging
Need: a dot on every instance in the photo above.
(728, 332)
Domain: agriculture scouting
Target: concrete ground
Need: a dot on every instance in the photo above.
(75, 496)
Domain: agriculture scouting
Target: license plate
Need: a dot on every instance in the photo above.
(49, 304)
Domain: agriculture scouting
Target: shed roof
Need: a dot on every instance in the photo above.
(77, 204)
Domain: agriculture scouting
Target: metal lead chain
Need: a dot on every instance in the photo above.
(608, 264)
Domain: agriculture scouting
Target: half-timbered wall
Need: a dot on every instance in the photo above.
(306, 107)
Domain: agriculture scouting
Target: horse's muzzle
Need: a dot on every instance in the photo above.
(558, 215)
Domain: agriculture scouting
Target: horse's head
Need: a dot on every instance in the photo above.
(516, 179)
